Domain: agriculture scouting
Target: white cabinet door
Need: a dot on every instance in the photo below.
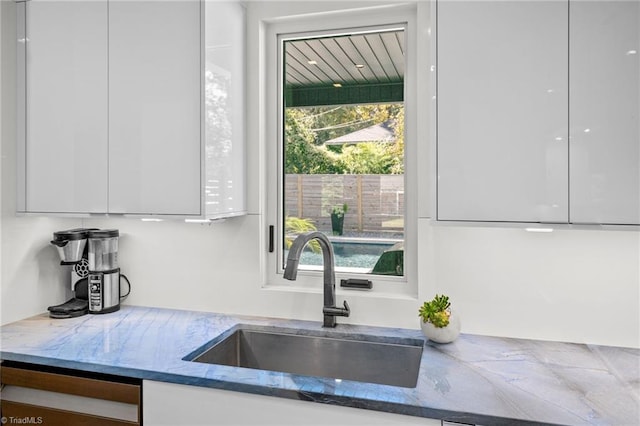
(224, 108)
(155, 107)
(502, 111)
(171, 404)
(605, 105)
(64, 143)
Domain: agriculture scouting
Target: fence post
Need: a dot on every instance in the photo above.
(359, 200)
(300, 206)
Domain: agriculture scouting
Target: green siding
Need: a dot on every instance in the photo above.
(371, 93)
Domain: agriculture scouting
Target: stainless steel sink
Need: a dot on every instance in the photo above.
(395, 363)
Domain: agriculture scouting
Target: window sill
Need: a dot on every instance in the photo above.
(396, 294)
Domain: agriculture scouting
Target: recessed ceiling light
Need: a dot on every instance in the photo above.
(312, 62)
(359, 66)
(632, 52)
(337, 85)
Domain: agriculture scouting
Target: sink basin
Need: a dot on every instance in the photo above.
(394, 362)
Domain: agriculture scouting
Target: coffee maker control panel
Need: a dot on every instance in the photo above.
(95, 292)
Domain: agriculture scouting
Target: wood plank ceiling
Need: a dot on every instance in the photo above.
(345, 69)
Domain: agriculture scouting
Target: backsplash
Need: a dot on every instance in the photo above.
(503, 282)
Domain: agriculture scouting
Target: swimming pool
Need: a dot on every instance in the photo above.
(350, 254)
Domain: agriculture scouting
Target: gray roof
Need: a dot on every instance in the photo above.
(345, 69)
(381, 132)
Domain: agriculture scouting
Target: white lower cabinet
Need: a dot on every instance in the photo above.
(172, 404)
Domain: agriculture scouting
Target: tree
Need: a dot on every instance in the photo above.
(301, 155)
(372, 158)
(328, 123)
(306, 130)
(397, 149)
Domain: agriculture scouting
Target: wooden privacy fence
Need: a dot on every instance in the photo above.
(375, 202)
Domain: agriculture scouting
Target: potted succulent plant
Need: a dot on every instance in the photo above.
(438, 322)
(337, 218)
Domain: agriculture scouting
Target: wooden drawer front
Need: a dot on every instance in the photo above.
(92, 388)
(49, 416)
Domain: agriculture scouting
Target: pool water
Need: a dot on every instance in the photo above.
(349, 254)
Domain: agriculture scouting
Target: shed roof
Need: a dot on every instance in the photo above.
(381, 132)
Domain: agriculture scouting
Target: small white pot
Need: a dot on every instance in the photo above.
(442, 334)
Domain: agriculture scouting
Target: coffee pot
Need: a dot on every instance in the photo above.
(104, 273)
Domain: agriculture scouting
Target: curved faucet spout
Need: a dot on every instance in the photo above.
(293, 260)
(291, 271)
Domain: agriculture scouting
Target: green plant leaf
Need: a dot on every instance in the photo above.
(295, 226)
(436, 311)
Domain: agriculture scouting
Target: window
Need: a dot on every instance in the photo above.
(341, 145)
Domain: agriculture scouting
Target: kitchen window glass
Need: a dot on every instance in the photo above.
(342, 148)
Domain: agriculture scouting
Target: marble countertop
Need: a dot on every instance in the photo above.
(476, 379)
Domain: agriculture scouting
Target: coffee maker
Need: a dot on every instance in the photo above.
(104, 273)
(72, 249)
(92, 255)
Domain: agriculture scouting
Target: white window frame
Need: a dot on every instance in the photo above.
(334, 23)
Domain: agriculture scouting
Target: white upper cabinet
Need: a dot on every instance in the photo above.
(538, 111)
(132, 107)
(502, 111)
(62, 47)
(154, 107)
(224, 82)
(605, 105)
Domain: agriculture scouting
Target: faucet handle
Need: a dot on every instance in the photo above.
(335, 311)
(347, 310)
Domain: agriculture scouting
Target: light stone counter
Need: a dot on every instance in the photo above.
(476, 379)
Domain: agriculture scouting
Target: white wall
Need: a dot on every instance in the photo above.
(503, 281)
(572, 285)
